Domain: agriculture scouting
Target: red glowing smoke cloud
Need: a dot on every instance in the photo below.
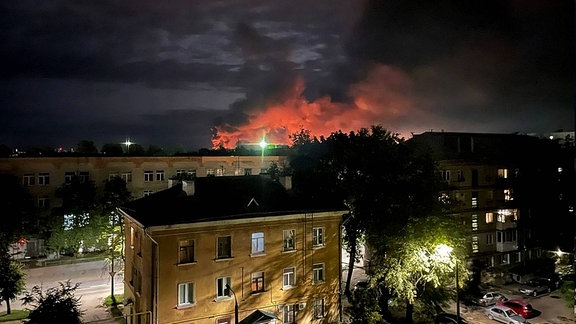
(381, 98)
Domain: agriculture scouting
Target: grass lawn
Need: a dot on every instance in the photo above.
(17, 314)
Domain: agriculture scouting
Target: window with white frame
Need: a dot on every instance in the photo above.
(224, 247)
(148, 175)
(318, 273)
(489, 218)
(84, 176)
(44, 178)
(180, 173)
(503, 173)
(257, 282)
(127, 176)
(186, 251)
(445, 175)
(474, 222)
(289, 240)
(43, 202)
(192, 173)
(148, 193)
(475, 246)
(219, 172)
(224, 320)
(257, 243)
(289, 277)
(112, 175)
(69, 176)
(221, 290)
(508, 196)
(210, 173)
(186, 294)
(159, 175)
(318, 308)
(317, 236)
(288, 314)
(29, 179)
(474, 199)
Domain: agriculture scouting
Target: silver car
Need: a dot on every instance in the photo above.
(491, 298)
(504, 314)
(535, 287)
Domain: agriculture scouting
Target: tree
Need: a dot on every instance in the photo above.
(112, 149)
(419, 263)
(86, 147)
(12, 279)
(17, 210)
(57, 305)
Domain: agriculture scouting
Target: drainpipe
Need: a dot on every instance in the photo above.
(155, 282)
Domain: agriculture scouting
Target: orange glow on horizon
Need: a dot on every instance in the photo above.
(381, 98)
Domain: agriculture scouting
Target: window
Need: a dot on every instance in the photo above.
(219, 172)
(247, 171)
(159, 175)
(68, 176)
(474, 222)
(318, 236)
(29, 179)
(136, 279)
(224, 320)
(289, 239)
(192, 173)
(224, 249)
(503, 173)
(460, 176)
(180, 173)
(43, 202)
(210, 173)
(84, 176)
(44, 178)
(148, 176)
(112, 175)
(257, 282)
(318, 273)
(489, 239)
(289, 277)
(288, 314)
(185, 294)
(148, 193)
(508, 195)
(257, 243)
(221, 290)
(445, 175)
(186, 251)
(475, 199)
(318, 308)
(475, 247)
(127, 176)
(489, 218)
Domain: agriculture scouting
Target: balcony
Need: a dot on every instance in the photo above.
(504, 226)
(506, 246)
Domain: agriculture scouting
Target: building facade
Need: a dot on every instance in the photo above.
(190, 259)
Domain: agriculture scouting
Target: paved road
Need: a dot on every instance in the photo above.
(94, 286)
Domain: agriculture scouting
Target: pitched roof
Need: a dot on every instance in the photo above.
(259, 316)
(217, 198)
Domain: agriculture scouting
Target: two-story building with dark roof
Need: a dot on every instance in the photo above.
(197, 249)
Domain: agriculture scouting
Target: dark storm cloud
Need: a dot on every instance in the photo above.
(75, 69)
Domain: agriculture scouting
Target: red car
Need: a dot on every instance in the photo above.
(521, 307)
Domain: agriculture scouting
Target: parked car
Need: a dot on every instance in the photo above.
(553, 281)
(491, 298)
(521, 307)
(535, 287)
(504, 314)
(448, 318)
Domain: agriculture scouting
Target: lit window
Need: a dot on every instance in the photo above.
(489, 218)
(475, 247)
(560, 169)
(257, 243)
(219, 172)
(503, 173)
(318, 273)
(159, 175)
(474, 222)
(210, 172)
(186, 251)
(29, 179)
(289, 240)
(288, 314)
(44, 178)
(185, 294)
(508, 195)
(148, 176)
(318, 236)
(475, 199)
(257, 282)
(289, 277)
(221, 290)
(318, 306)
(224, 247)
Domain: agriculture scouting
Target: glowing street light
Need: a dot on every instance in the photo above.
(263, 145)
(127, 142)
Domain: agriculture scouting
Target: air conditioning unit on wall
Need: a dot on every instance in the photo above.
(301, 306)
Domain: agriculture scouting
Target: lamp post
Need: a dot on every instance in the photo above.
(235, 304)
(263, 145)
(445, 252)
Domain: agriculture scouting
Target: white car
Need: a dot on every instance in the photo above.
(504, 314)
(491, 298)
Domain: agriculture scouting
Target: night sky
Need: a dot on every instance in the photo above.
(176, 73)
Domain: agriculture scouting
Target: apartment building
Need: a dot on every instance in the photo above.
(507, 192)
(144, 175)
(219, 249)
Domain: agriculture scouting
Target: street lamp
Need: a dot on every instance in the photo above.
(445, 252)
(263, 145)
(235, 304)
